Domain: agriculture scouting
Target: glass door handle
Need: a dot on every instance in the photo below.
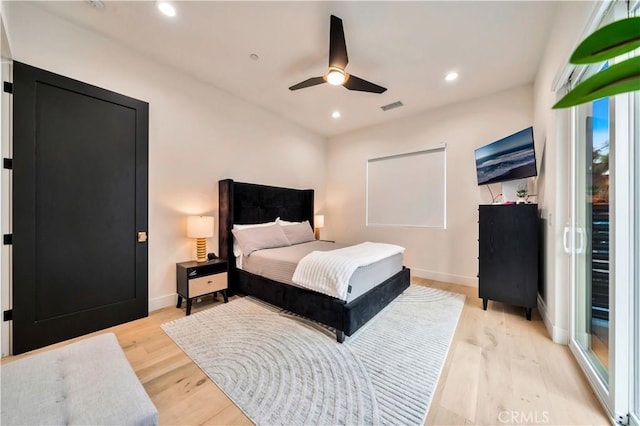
(579, 248)
(565, 240)
(580, 233)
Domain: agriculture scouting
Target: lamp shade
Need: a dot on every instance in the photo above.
(200, 226)
(318, 221)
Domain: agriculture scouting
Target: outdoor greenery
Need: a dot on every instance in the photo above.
(600, 175)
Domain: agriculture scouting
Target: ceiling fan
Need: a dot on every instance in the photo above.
(336, 75)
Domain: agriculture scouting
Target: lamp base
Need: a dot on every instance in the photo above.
(317, 233)
(201, 250)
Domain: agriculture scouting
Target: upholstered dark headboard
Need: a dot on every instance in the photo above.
(245, 203)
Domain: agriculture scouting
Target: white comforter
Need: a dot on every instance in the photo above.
(329, 272)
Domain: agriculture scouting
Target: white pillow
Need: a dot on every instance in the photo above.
(298, 233)
(236, 247)
(260, 237)
(286, 222)
(253, 225)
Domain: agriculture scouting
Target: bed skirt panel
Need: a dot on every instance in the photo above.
(322, 308)
(316, 306)
(365, 307)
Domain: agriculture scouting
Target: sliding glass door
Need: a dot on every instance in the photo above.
(634, 416)
(592, 223)
(605, 247)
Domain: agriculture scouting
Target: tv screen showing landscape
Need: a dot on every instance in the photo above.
(510, 158)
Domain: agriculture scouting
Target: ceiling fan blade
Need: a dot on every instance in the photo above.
(313, 81)
(356, 83)
(337, 45)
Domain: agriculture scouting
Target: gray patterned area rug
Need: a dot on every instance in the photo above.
(280, 369)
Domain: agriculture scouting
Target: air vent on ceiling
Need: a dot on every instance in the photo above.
(394, 105)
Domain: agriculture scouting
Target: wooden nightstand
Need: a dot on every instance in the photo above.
(196, 279)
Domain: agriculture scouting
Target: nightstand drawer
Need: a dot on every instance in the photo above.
(207, 284)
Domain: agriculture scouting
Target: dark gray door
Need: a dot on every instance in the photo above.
(80, 190)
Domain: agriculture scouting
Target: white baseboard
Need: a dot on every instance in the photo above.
(162, 302)
(558, 335)
(442, 276)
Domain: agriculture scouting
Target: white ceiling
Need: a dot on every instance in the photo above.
(407, 47)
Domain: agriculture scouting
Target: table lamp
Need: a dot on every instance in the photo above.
(200, 228)
(318, 222)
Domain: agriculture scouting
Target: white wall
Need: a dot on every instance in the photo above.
(198, 134)
(445, 254)
(552, 130)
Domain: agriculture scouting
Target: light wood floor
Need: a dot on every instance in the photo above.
(501, 369)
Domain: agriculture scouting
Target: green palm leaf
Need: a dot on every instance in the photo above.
(608, 42)
(619, 78)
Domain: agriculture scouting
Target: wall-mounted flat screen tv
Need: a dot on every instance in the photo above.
(509, 158)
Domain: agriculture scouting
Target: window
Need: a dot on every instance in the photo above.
(407, 189)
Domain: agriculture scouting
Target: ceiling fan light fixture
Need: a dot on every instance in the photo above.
(335, 77)
(338, 60)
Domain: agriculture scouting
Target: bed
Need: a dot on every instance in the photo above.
(247, 203)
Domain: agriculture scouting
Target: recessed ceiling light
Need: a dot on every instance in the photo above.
(254, 56)
(166, 8)
(451, 76)
(335, 114)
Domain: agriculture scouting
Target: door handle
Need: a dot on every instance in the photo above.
(565, 240)
(142, 237)
(580, 233)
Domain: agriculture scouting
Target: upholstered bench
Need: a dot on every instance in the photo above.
(89, 382)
